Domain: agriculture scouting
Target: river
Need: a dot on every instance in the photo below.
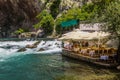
(46, 65)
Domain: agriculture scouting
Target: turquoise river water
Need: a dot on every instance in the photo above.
(46, 65)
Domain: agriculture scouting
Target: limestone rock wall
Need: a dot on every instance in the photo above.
(18, 13)
(67, 4)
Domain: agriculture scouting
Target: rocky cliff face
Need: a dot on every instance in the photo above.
(18, 13)
(15, 14)
(67, 4)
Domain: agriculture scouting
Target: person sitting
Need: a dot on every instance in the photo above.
(92, 52)
(83, 51)
(66, 45)
(104, 57)
(76, 48)
(70, 46)
(83, 43)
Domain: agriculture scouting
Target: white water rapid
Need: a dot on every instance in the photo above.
(10, 48)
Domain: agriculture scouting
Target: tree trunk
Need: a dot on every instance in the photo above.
(54, 31)
(118, 53)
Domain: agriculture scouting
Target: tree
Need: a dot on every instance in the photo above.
(96, 9)
(112, 19)
(46, 22)
(54, 8)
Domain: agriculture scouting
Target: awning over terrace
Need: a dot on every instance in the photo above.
(69, 23)
(77, 35)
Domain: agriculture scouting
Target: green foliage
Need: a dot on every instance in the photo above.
(58, 29)
(96, 9)
(19, 31)
(74, 13)
(90, 9)
(93, 12)
(46, 21)
(54, 8)
(112, 17)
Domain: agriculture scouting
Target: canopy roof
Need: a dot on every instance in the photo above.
(69, 23)
(79, 35)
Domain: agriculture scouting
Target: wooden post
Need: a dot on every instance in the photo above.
(118, 53)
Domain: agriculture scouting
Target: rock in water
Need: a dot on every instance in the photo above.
(22, 50)
(41, 49)
(33, 45)
(36, 43)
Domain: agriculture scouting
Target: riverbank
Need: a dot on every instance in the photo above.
(90, 77)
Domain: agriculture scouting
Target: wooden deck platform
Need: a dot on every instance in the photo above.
(96, 61)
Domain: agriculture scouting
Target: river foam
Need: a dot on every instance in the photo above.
(9, 48)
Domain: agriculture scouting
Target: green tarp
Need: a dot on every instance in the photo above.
(69, 23)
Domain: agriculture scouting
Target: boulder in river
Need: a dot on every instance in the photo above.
(36, 43)
(22, 50)
(33, 45)
(41, 49)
